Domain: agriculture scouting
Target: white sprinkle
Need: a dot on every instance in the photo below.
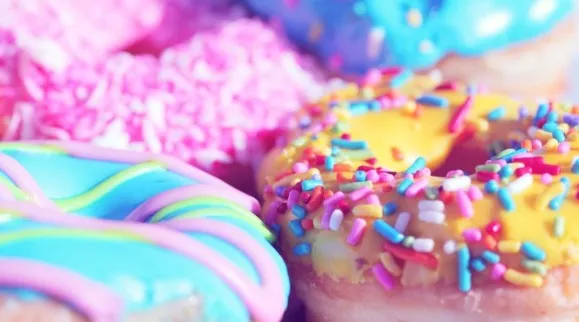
(520, 184)
(435, 217)
(336, 219)
(457, 183)
(434, 205)
(532, 131)
(402, 222)
(375, 42)
(449, 247)
(423, 245)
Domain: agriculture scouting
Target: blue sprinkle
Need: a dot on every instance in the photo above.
(542, 111)
(296, 227)
(374, 105)
(523, 113)
(491, 186)
(575, 166)
(358, 108)
(317, 176)
(464, 274)
(477, 265)
(299, 211)
(305, 122)
(360, 176)
(404, 185)
(302, 249)
(388, 232)
(506, 199)
(491, 257)
(279, 191)
(496, 114)
(509, 156)
(350, 145)
(506, 172)
(559, 135)
(556, 202)
(552, 116)
(275, 228)
(515, 144)
(401, 79)
(335, 151)
(309, 185)
(416, 166)
(432, 100)
(533, 252)
(550, 127)
(389, 208)
(329, 163)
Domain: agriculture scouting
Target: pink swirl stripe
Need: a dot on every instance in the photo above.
(267, 294)
(164, 199)
(98, 303)
(24, 180)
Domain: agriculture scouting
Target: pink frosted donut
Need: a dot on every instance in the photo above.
(210, 101)
(85, 29)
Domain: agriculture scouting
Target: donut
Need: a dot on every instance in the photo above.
(372, 229)
(103, 235)
(489, 42)
(82, 29)
(203, 100)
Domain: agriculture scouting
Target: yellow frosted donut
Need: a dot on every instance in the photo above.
(372, 234)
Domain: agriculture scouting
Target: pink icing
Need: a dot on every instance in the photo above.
(264, 302)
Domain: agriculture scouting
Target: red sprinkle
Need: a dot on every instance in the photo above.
(494, 228)
(328, 193)
(305, 197)
(449, 85)
(484, 176)
(371, 161)
(522, 171)
(458, 118)
(529, 160)
(411, 255)
(282, 208)
(307, 224)
(364, 168)
(343, 206)
(345, 136)
(551, 169)
(446, 197)
(316, 199)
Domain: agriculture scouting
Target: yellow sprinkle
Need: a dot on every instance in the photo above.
(388, 262)
(522, 279)
(481, 125)
(368, 92)
(516, 165)
(315, 32)
(329, 176)
(358, 155)
(572, 136)
(509, 246)
(542, 135)
(312, 172)
(342, 114)
(564, 127)
(554, 189)
(551, 144)
(371, 211)
(410, 107)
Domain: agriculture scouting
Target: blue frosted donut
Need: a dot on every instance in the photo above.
(355, 35)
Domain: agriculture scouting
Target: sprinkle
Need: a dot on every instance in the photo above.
(533, 252)
(506, 199)
(488, 167)
(474, 193)
(408, 254)
(373, 199)
(417, 165)
(404, 185)
(559, 136)
(477, 265)
(464, 204)
(498, 271)
(383, 276)
(431, 193)
(334, 199)
(388, 232)
(336, 220)
(472, 235)
(464, 275)
(432, 100)
(423, 245)
(390, 264)
(329, 163)
(534, 267)
(308, 185)
(401, 79)
(300, 167)
(494, 228)
(559, 226)
(389, 208)
(458, 118)
(353, 186)
(449, 247)
(349, 145)
(455, 184)
(522, 279)
(491, 186)
(489, 242)
(434, 205)
(360, 176)
(431, 216)
(408, 241)
(372, 176)
(506, 172)
(491, 257)
(360, 193)
(509, 246)
(575, 166)
(356, 232)
(292, 198)
(416, 187)
(564, 147)
(520, 184)
(296, 227)
(299, 211)
(302, 249)
(496, 114)
(402, 222)
(542, 111)
(370, 211)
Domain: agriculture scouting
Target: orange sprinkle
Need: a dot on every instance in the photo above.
(342, 167)
(328, 193)
(344, 176)
(489, 242)
(527, 144)
(397, 154)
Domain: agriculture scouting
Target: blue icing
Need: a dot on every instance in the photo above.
(145, 275)
(414, 34)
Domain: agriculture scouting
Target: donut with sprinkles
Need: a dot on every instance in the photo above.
(420, 199)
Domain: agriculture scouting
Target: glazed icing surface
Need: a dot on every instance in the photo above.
(135, 231)
(355, 197)
(354, 35)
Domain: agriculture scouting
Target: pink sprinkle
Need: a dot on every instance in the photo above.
(497, 271)
(360, 193)
(454, 173)
(416, 187)
(383, 276)
(372, 176)
(334, 199)
(373, 77)
(408, 176)
(272, 213)
(500, 162)
(373, 199)
(357, 232)
(325, 222)
(386, 177)
(474, 193)
(524, 155)
(293, 198)
(385, 102)
(330, 119)
(472, 235)
(464, 204)
(564, 147)
(300, 167)
(422, 173)
(536, 144)
(546, 178)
